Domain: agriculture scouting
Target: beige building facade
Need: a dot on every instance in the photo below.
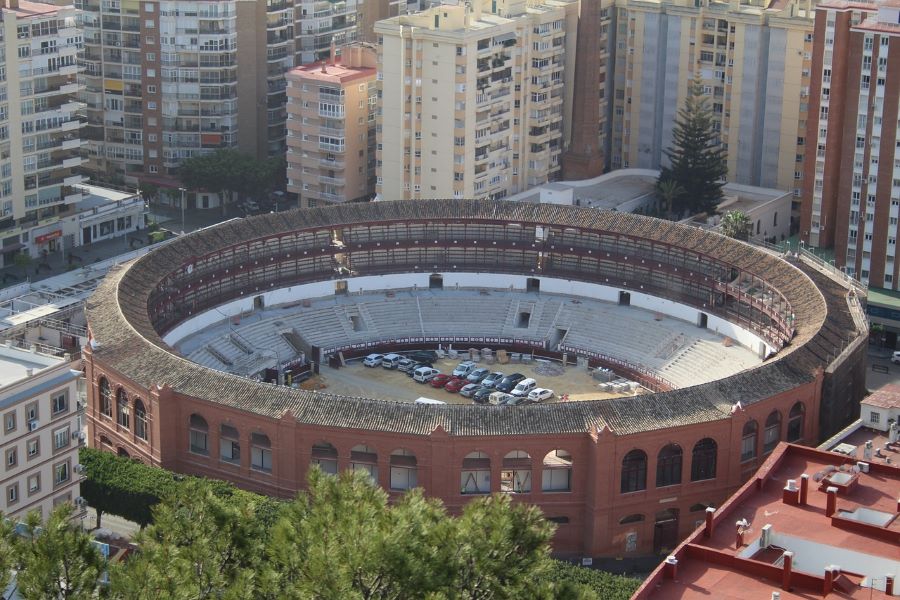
(754, 61)
(41, 409)
(475, 99)
(40, 147)
(331, 128)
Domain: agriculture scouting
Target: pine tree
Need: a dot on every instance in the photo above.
(697, 160)
(57, 560)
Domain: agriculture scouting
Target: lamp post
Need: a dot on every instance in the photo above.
(182, 190)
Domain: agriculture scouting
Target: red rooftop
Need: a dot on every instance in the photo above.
(809, 524)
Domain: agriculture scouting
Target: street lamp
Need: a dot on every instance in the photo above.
(182, 190)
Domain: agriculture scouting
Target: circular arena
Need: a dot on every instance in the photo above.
(738, 348)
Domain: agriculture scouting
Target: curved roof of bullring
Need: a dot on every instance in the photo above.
(127, 342)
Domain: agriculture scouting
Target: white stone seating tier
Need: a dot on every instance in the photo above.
(679, 351)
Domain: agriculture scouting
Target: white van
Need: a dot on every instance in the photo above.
(424, 400)
(391, 361)
(523, 387)
(424, 374)
(498, 398)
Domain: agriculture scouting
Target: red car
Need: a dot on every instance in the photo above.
(440, 380)
(456, 384)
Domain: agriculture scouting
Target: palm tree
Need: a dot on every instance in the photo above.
(668, 191)
(736, 224)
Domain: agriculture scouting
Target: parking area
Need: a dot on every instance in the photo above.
(386, 384)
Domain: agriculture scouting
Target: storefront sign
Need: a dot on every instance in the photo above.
(43, 239)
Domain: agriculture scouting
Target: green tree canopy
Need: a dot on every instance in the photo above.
(696, 158)
(57, 559)
(228, 171)
(736, 224)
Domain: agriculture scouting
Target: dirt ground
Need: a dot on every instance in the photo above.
(385, 384)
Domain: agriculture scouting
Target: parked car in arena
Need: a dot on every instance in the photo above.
(406, 365)
(423, 356)
(509, 382)
(463, 369)
(373, 360)
(492, 380)
(455, 384)
(896, 358)
(478, 374)
(417, 365)
(425, 374)
(540, 394)
(469, 390)
(511, 400)
(440, 380)
(391, 361)
(482, 395)
(524, 387)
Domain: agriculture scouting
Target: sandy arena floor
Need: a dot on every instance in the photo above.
(360, 381)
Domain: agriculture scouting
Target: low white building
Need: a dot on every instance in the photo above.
(41, 409)
(634, 191)
(881, 408)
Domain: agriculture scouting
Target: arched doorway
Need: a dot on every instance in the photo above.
(665, 531)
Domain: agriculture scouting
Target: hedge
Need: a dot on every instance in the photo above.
(128, 488)
(606, 585)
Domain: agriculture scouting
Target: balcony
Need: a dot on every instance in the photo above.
(332, 180)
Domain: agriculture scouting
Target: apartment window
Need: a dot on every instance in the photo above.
(33, 447)
(12, 458)
(12, 493)
(31, 411)
(874, 417)
(151, 105)
(153, 169)
(148, 8)
(9, 422)
(60, 473)
(151, 56)
(60, 402)
(34, 483)
(61, 438)
(149, 24)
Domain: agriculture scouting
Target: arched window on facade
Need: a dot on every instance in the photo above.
(363, 458)
(260, 452)
(668, 466)
(325, 456)
(634, 471)
(229, 444)
(772, 433)
(404, 470)
(748, 441)
(199, 435)
(557, 473)
(795, 423)
(703, 460)
(635, 518)
(105, 397)
(140, 419)
(515, 477)
(475, 477)
(123, 416)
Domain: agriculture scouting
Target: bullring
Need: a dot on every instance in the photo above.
(619, 477)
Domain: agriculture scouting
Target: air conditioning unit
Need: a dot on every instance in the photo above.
(78, 435)
(33, 424)
(79, 468)
(80, 501)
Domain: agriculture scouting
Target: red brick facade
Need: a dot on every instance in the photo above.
(588, 516)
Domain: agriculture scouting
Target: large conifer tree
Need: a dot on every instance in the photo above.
(697, 159)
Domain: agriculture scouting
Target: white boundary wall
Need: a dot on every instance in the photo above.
(404, 281)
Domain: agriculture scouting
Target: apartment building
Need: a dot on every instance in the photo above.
(331, 128)
(41, 404)
(39, 128)
(503, 69)
(167, 80)
(754, 61)
(851, 196)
